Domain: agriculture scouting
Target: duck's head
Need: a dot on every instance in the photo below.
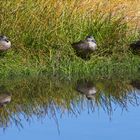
(90, 39)
(4, 42)
(4, 39)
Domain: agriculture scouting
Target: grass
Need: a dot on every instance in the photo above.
(42, 32)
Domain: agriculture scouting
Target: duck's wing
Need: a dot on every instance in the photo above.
(80, 45)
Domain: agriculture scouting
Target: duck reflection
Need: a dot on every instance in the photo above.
(86, 88)
(136, 84)
(5, 96)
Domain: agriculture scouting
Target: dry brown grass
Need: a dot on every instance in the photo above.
(131, 8)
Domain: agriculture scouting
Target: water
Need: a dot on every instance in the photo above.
(60, 109)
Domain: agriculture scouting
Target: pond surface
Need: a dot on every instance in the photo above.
(59, 109)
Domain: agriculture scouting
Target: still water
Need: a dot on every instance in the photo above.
(59, 109)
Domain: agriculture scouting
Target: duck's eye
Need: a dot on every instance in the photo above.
(6, 40)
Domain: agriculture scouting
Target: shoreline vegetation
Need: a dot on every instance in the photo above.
(42, 32)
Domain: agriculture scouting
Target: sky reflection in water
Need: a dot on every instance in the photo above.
(58, 109)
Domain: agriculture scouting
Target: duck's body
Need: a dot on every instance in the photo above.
(135, 46)
(5, 44)
(85, 47)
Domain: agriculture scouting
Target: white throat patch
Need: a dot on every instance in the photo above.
(5, 45)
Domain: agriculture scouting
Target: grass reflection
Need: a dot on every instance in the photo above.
(42, 96)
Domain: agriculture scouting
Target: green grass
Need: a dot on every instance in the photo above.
(42, 32)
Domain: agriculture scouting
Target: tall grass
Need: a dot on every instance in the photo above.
(42, 32)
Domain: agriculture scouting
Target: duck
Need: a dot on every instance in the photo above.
(84, 48)
(135, 46)
(5, 43)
